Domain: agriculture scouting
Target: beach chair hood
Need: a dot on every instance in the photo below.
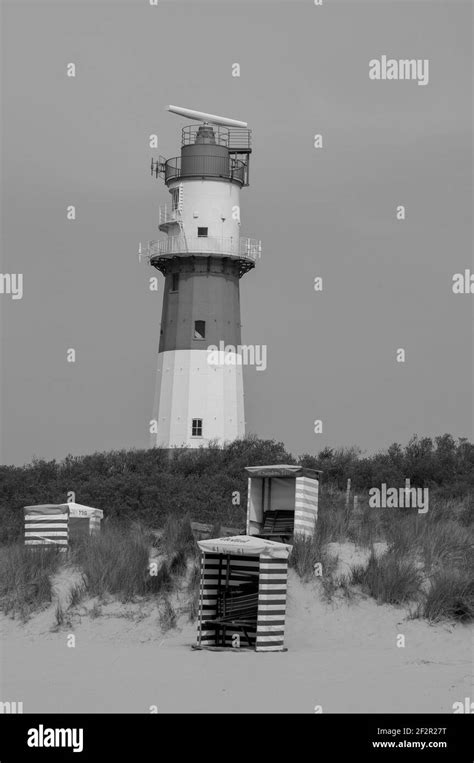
(246, 545)
(282, 470)
(73, 509)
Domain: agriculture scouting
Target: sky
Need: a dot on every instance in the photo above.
(328, 212)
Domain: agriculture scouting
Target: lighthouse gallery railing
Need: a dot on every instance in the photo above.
(249, 248)
(205, 166)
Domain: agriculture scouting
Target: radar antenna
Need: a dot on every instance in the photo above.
(203, 117)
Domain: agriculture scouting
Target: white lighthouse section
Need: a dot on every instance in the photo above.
(211, 204)
(189, 388)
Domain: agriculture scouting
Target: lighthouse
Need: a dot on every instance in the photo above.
(199, 395)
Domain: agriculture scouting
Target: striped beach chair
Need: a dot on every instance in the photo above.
(282, 501)
(46, 526)
(242, 593)
(55, 525)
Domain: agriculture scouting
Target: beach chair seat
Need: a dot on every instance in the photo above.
(237, 607)
(278, 524)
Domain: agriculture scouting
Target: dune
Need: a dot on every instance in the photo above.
(342, 658)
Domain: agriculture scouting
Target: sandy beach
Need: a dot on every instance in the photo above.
(342, 657)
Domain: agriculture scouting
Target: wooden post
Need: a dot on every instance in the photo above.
(356, 501)
(348, 492)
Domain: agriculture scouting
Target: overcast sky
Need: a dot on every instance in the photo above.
(327, 212)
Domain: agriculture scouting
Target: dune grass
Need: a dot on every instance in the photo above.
(311, 560)
(117, 562)
(178, 536)
(388, 579)
(25, 578)
(402, 535)
(450, 597)
(365, 526)
(428, 561)
(193, 591)
(305, 554)
(178, 564)
(446, 544)
(77, 593)
(62, 617)
(429, 558)
(167, 616)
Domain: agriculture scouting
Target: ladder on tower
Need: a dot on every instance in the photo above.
(179, 215)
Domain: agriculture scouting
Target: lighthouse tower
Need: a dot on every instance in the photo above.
(199, 387)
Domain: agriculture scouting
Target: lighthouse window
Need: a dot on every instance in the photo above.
(202, 232)
(196, 428)
(175, 282)
(199, 329)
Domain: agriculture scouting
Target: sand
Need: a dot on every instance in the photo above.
(341, 656)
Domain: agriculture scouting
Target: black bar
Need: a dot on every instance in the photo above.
(447, 737)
